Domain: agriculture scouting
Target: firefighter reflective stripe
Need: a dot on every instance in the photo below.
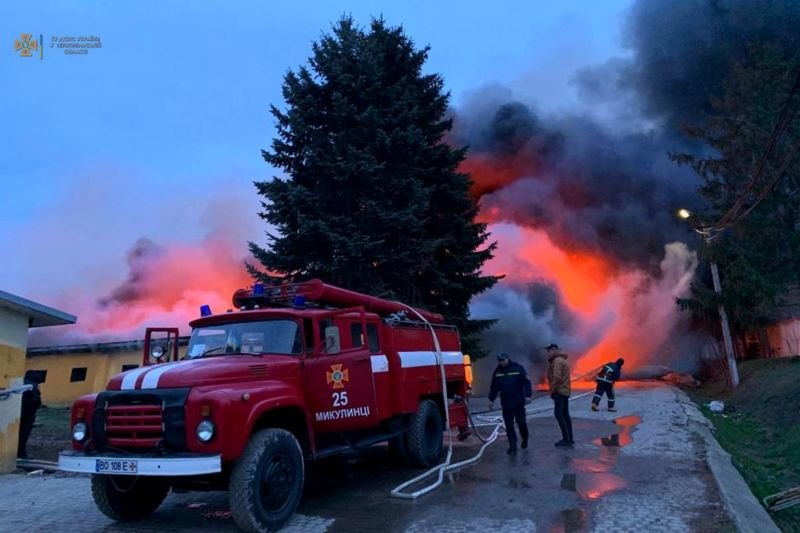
(415, 359)
(380, 363)
(605, 380)
(150, 380)
(129, 381)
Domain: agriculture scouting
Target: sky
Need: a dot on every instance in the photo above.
(160, 130)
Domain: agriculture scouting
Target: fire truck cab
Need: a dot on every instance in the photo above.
(298, 372)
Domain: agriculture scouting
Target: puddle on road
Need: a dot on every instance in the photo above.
(628, 421)
(623, 438)
(592, 486)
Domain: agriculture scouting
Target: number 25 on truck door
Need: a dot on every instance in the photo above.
(340, 399)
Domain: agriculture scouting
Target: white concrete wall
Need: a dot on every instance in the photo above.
(13, 329)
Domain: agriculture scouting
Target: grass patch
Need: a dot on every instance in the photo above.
(761, 428)
(51, 434)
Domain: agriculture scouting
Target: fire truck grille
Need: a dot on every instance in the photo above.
(140, 421)
(134, 426)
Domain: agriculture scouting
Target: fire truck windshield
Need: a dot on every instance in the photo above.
(281, 337)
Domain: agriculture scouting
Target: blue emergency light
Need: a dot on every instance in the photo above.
(258, 289)
(205, 310)
(299, 302)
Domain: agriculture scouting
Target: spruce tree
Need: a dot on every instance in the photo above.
(372, 199)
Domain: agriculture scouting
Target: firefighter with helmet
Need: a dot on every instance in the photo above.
(605, 380)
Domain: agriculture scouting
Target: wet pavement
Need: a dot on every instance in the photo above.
(644, 471)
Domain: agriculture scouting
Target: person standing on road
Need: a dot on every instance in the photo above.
(560, 390)
(511, 381)
(608, 375)
(31, 402)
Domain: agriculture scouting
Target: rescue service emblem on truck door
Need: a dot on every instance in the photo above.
(337, 375)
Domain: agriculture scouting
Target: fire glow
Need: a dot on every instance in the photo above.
(165, 287)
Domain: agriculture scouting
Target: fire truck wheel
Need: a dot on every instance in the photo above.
(267, 481)
(126, 498)
(424, 440)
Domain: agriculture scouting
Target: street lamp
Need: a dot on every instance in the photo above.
(708, 232)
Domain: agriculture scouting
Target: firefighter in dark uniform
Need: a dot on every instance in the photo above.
(31, 402)
(511, 381)
(606, 378)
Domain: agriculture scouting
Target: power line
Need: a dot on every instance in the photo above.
(735, 214)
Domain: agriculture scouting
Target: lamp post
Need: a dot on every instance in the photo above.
(708, 233)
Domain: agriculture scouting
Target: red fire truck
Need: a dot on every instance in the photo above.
(297, 373)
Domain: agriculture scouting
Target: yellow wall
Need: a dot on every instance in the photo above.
(57, 390)
(13, 342)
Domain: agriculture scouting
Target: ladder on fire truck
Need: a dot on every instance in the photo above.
(321, 294)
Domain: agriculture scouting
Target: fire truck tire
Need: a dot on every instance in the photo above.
(267, 481)
(126, 498)
(424, 440)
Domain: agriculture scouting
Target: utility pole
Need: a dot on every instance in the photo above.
(733, 372)
(708, 233)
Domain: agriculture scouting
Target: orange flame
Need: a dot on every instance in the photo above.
(623, 312)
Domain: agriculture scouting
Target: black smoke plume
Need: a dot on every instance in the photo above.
(603, 182)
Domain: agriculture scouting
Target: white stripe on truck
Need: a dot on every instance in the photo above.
(150, 381)
(416, 359)
(129, 381)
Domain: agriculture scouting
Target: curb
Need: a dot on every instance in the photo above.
(746, 511)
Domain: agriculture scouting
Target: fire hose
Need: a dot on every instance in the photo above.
(5, 394)
(498, 419)
(447, 466)
(397, 492)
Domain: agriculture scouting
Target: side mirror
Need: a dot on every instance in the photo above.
(157, 352)
(160, 346)
(332, 340)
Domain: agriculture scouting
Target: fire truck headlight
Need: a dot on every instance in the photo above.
(205, 431)
(79, 432)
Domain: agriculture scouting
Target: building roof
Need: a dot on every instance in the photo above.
(39, 315)
(95, 347)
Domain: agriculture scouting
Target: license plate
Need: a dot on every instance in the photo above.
(116, 466)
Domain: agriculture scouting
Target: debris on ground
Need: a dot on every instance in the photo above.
(36, 473)
(685, 380)
(783, 500)
(716, 406)
(662, 373)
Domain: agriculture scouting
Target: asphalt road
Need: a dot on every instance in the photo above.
(646, 472)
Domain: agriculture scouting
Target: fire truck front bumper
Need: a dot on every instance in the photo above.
(140, 465)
